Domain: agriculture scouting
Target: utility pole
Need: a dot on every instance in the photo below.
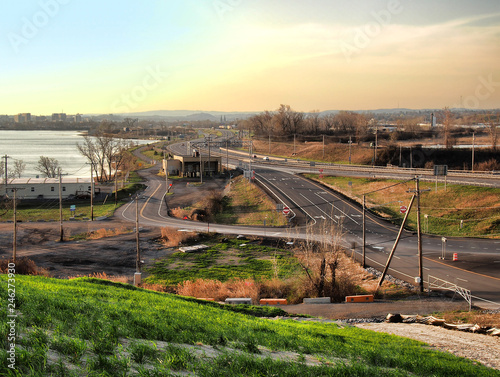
(417, 193)
(395, 243)
(116, 182)
(473, 145)
(138, 259)
(137, 275)
(294, 150)
(364, 231)
(350, 143)
(209, 168)
(201, 169)
(227, 156)
(269, 143)
(14, 237)
(91, 192)
(419, 237)
(5, 171)
(14, 240)
(323, 147)
(61, 231)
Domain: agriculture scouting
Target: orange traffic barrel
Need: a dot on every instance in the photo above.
(455, 257)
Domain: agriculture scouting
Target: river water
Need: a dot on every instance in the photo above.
(28, 146)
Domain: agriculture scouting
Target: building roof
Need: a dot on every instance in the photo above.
(34, 181)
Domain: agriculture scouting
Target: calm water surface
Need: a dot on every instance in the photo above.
(61, 145)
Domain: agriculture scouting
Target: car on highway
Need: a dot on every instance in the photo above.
(266, 158)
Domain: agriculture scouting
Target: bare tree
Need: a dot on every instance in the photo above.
(103, 153)
(313, 122)
(493, 131)
(448, 140)
(18, 169)
(321, 259)
(48, 166)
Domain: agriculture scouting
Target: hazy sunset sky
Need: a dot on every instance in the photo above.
(112, 56)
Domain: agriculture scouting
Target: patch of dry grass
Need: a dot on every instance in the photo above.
(104, 233)
(202, 288)
(334, 152)
(23, 266)
(474, 317)
(173, 237)
(102, 275)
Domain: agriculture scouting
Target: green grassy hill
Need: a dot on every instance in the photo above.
(97, 328)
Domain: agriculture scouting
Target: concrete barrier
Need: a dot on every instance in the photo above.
(317, 300)
(273, 301)
(241, 300)
(359, 298)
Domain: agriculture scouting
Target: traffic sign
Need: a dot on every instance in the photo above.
(321, 170)
(286, 211)
(403, 209)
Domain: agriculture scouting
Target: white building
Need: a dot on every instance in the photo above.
(48, 188)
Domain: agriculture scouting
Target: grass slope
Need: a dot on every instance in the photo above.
(98, 328)
(477, 207)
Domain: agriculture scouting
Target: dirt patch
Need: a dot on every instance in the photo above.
(482, 348)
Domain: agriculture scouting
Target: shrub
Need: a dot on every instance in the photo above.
(24, 266)
(489, 165)
(172, 237)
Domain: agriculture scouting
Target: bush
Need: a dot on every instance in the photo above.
(489, 165)
(172, 237)
(24, 266)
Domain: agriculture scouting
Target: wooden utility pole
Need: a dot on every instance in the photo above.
(417, 192)
(323, 147)
(473, 145)
(116, 183)
(14, 240)
(138, 259)
(14, 237)
(61, 231)
(395, 243)
(91, 192)
(419, 237)
(5, 171)
(364, 231)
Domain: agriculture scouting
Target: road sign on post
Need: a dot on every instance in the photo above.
(286, 211)
(440, 170)
(403, 209)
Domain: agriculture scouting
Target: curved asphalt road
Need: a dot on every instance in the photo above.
(478, 267)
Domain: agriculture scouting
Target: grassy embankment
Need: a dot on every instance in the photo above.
(477, 207)
(334, 152)
(244, 204)
(48, 210)
(97, 328)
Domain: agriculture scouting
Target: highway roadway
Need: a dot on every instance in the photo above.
(315, 208)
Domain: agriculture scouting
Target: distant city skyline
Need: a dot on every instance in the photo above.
(247, 56)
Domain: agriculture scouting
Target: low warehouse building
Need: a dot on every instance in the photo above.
(48, 188)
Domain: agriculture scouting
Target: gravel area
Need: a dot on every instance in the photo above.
(483, 348)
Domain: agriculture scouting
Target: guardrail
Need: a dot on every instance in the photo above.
(312, 165)
(437, 283)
